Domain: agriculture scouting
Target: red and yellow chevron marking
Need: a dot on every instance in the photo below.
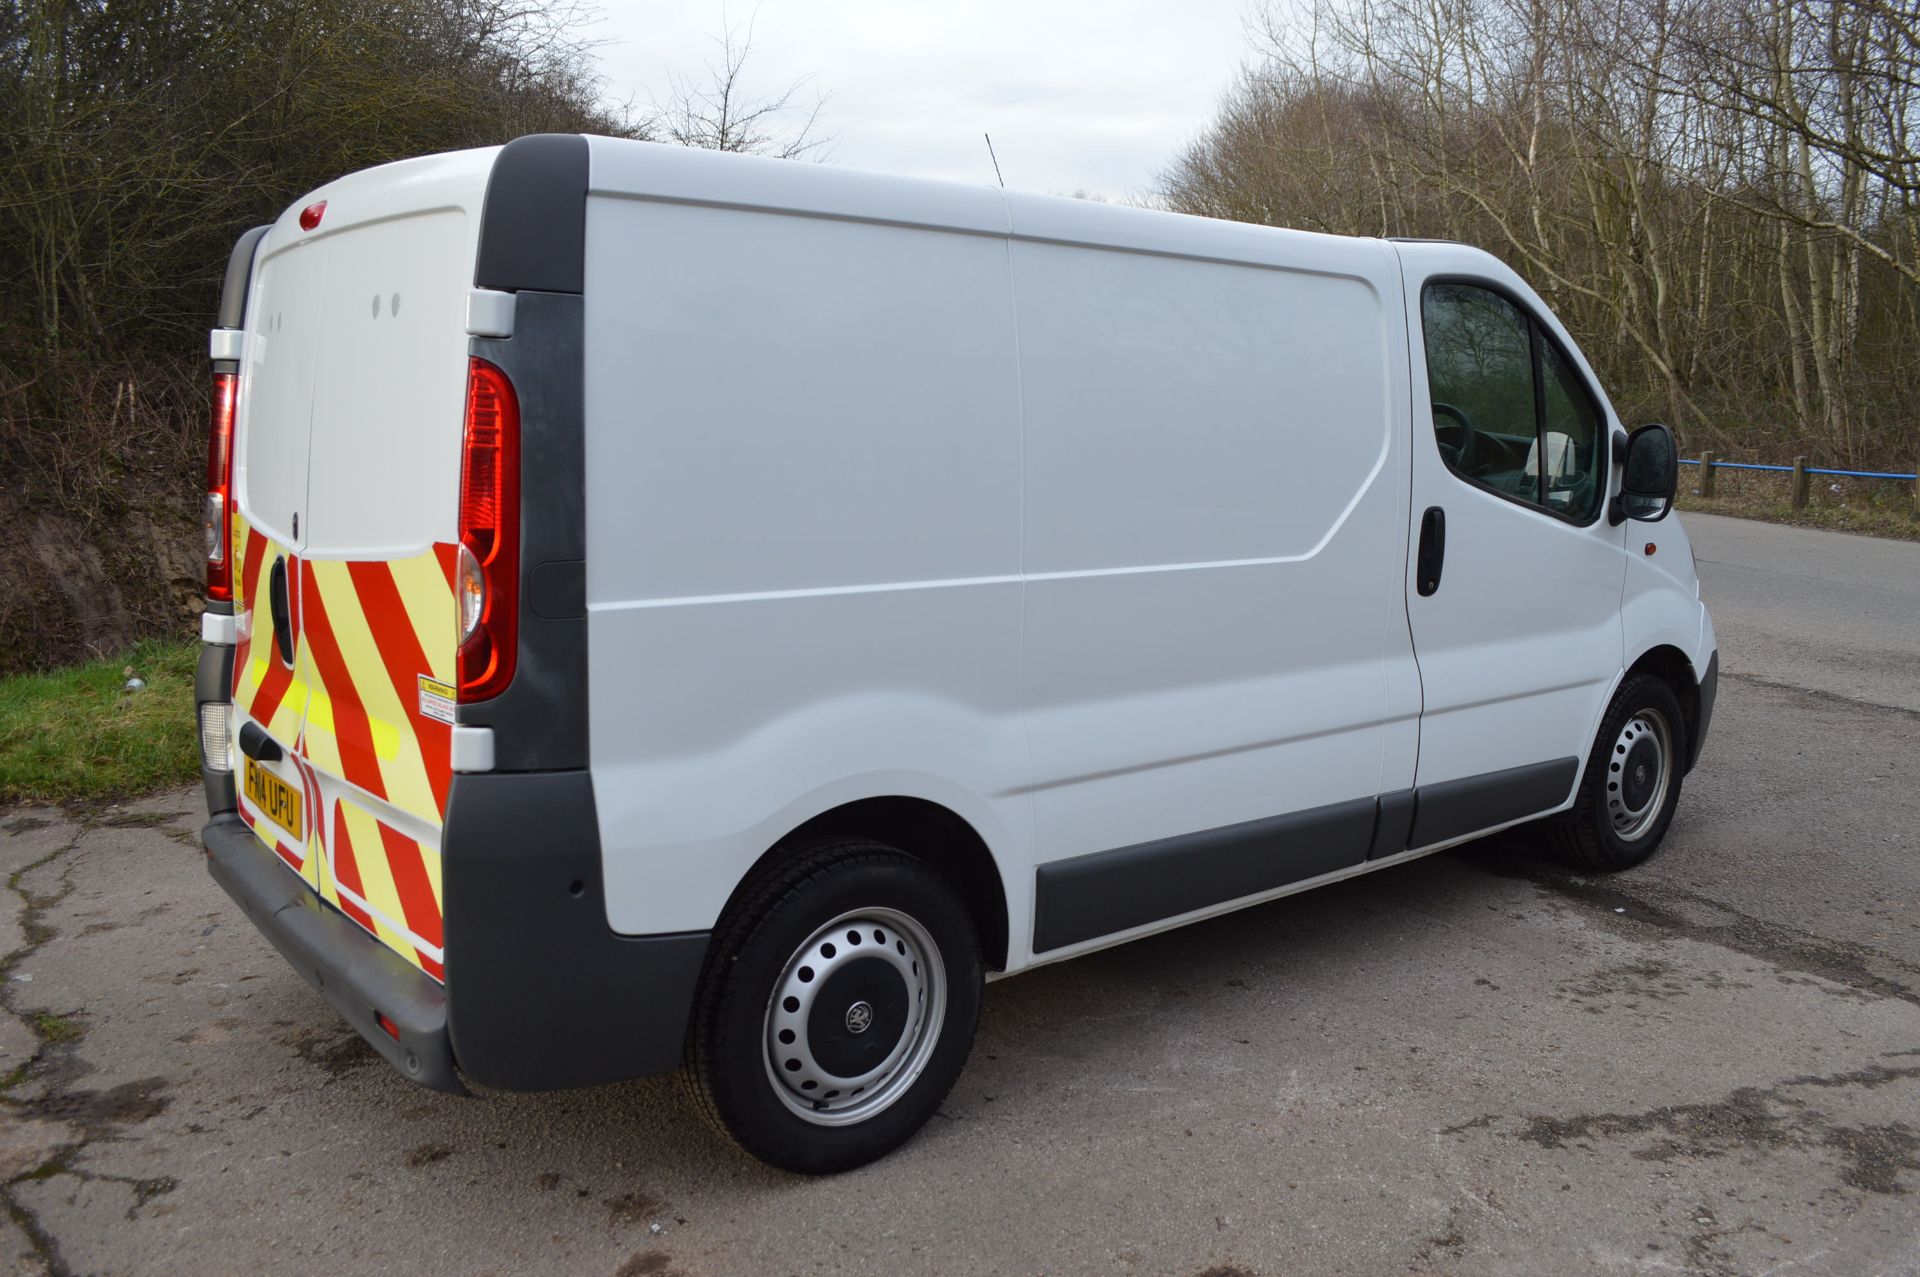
(388, 883)
(269, 692)
(368, 632)
(295, 860)
(372, 630)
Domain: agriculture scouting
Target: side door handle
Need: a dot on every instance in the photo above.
(282, 612)
(1433, 550)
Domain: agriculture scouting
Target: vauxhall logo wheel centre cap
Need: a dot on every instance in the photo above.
(859, 1017)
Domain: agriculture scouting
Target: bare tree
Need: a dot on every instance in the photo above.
(721, 114)
(1722, 197)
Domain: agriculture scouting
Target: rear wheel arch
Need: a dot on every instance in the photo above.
(923, 829)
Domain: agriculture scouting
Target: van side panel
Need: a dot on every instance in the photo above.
(803, 505)
(1217, 483)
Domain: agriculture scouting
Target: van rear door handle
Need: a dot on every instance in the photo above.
(256, 744)
(1433, 550)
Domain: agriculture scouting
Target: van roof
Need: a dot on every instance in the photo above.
(627, 168)
(652, 170)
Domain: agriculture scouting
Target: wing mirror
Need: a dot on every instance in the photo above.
(1649, 475)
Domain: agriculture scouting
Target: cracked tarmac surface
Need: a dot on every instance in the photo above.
(1475, 1064)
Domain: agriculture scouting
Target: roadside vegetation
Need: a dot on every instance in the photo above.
(1873, 507)
(138, 139)
(81, 732)
(1722, 201)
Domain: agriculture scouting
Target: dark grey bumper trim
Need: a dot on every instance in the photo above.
(354, 972)
(1709, 689)
(541, 993)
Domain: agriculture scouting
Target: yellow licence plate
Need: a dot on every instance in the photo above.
(276, 799)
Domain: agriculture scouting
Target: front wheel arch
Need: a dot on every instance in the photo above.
(1599, 836)
(1671, 666)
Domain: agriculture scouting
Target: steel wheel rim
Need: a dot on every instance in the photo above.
(840, 1099)
(1639, 774)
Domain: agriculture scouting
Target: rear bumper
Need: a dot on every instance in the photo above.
(354, 972)
(541, 994)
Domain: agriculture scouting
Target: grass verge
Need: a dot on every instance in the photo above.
(77, 733)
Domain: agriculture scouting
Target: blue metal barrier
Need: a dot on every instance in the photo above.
(1848, 474)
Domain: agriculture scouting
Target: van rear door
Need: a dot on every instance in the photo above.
(347, 473)
(273, 417)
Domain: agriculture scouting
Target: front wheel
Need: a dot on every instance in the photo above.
(837, 1007)
(1632, 783)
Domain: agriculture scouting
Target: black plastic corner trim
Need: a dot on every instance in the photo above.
(1456, 808)
(558, 590)
(539, 721)
(541, 992)
(213, 683)
(233, 290)
(355, 973)
(1395, 823)
(1709, 689)
(1111, 891)
(533, 225)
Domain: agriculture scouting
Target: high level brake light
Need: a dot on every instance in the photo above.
(487, 579)
(216, 517)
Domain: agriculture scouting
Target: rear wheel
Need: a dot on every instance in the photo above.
(837, 1007)
(1632, 782)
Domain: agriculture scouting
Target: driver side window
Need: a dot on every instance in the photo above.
(1509, 412)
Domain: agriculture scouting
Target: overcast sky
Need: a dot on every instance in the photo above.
(1084, 96)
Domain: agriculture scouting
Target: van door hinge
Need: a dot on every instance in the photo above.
(225, 343)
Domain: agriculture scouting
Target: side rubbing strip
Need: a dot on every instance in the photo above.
(533, 226)
(1110, 891)
(1395, 823)
(1456, 808)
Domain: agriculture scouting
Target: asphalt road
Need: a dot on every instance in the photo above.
(1475, 1064)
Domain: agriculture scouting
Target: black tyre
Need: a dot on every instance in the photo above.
(1632, 781)
(837, 1007)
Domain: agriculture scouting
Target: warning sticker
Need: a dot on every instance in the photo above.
(436, 700)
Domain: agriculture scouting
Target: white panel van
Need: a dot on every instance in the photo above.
(681, 610)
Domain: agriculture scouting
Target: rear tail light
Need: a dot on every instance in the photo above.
(216, 736)
(216, 518)
(487, 576)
